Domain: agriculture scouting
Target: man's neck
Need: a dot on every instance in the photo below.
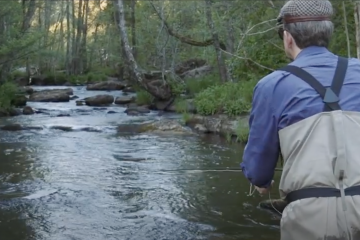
(296, 53)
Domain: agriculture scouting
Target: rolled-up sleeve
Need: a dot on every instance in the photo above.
(262, 149)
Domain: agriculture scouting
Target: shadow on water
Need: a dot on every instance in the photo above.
(15, 168)
(58, 185)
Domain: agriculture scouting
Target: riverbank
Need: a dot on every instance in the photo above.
(230, 127)
(205, 104)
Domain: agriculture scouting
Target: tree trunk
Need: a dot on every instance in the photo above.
(346, 30)
(156, 87)
(68, 39)
(216, 42)
(357, 27)
(133, 28)
(83, 52)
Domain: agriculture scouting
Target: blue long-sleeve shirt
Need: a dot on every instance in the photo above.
(281, 99)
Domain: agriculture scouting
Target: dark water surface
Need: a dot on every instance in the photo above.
(99, 185)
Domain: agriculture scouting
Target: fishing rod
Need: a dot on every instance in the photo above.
(211, 170)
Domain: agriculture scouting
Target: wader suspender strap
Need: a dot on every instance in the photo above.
(330, 95)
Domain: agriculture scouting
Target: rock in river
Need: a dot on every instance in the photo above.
(53, 95)
(124, 100)
(134, 110)
(27, 110)
(162, 126)
(99, 100)
(106, 86)
(26, 90)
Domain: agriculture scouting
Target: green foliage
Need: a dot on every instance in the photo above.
(17, 74)
(8, 92)
(60, 78)
(55, 78)
(104, 71)
(242, 132)
(186, 117)
(181, 105)
(230, 98)
(194, 86)
(96, 77)
(143, 97)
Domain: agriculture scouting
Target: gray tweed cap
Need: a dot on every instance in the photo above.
(309, 8)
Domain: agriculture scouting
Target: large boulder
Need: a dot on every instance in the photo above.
(106, 86)
(99, 100)
(52, 95)
(222, 125)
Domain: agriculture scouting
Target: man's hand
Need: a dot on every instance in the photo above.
(264, 191)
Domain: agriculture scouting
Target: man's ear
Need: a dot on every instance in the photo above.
(288, 38)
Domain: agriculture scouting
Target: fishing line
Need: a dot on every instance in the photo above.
(208, 170)
(273, 205)
(252, 192)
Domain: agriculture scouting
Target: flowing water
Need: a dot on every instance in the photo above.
(92, 183)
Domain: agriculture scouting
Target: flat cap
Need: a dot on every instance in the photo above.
(307, 10)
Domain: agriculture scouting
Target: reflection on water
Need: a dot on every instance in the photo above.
(59, 185)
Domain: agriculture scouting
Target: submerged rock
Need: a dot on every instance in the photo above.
(135, 110)
(99, 100)
(80, 103)
(74, 97)
(27, 110)
(18, 127)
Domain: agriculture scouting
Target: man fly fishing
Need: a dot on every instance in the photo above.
(310, 112)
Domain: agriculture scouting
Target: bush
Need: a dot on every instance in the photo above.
(229, 98)
(181, 105)
(8, 91)
(242, 132)
(55, 78)
(143, 97)
(90, 77)
(17, 74)
(194, 86)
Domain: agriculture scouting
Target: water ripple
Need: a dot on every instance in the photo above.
(74, 178)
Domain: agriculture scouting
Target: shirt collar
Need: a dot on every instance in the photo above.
(311, 52)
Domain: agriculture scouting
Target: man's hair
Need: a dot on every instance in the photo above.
(313, 33)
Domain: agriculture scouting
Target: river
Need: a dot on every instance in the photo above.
(92, 183)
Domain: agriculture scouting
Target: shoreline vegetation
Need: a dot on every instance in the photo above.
(174, 56)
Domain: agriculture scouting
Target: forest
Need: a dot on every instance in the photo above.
(199, 56)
